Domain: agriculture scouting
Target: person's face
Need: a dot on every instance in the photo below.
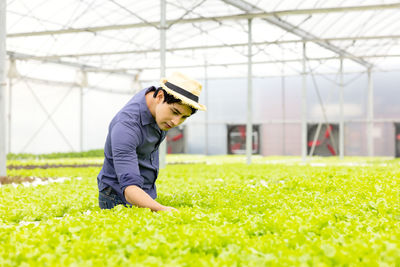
(169, 116)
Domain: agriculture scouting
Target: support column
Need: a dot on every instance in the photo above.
(81, 119)
(12, 76)
(163, 10)
(283, 110)
(83, 83)
(10, 91)
(370, 136)
(249, 125)
(3, 125)
(304, 108)
(341, 125)
(206, 104)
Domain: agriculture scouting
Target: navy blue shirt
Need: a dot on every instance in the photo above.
(131, 149)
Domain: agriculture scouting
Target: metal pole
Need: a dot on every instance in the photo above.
(283, 111)
(163, 10)
(10, 81)
(304, 108)
(249, 125)
(341, 126)
(206, 103)
(3, 156)
(370, 136)
(81, 118)
(251, 12)
(83, 83)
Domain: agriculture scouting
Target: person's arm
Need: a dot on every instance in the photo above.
(136, 196)
(124, 140)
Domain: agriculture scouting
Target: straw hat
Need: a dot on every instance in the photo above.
(183, 88)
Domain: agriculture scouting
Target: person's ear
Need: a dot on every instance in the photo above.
(160, 97)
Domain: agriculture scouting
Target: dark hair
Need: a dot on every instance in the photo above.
(170, 99)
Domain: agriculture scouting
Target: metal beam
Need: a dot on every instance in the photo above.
(249, 124)
(297, 121)
(125, 71)
(3, 122)
(341, 124)
(283, 106)
(248, 8)
(254, 63)
(83, 83)
(275, 20)
(157, 50)
(69, 84)
(81, 118)
(163, 43)
(370, 106)
(87, 68)
(205, 95)
(304, 107)
(10, 101)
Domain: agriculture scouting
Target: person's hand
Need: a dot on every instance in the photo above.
(166, 208)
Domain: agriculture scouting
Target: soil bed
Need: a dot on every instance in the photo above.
(50, 166)
(19, 179)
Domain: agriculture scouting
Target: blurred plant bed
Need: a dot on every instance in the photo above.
(50, 166)
(19, 179)
(58, 155)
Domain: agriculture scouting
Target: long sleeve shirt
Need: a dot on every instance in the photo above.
(131, 149)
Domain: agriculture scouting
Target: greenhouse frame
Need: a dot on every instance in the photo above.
(67, 68)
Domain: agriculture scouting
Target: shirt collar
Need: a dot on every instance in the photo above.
(145, 115)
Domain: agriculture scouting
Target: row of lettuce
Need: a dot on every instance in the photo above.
(229, 215)
(56, 155)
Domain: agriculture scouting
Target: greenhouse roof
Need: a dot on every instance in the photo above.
(124, 36)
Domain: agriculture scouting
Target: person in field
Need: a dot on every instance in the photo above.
(131, 162)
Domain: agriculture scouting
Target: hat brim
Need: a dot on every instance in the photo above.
(184, 99)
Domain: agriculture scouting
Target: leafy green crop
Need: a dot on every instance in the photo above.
(322, 213)
(90, 153)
